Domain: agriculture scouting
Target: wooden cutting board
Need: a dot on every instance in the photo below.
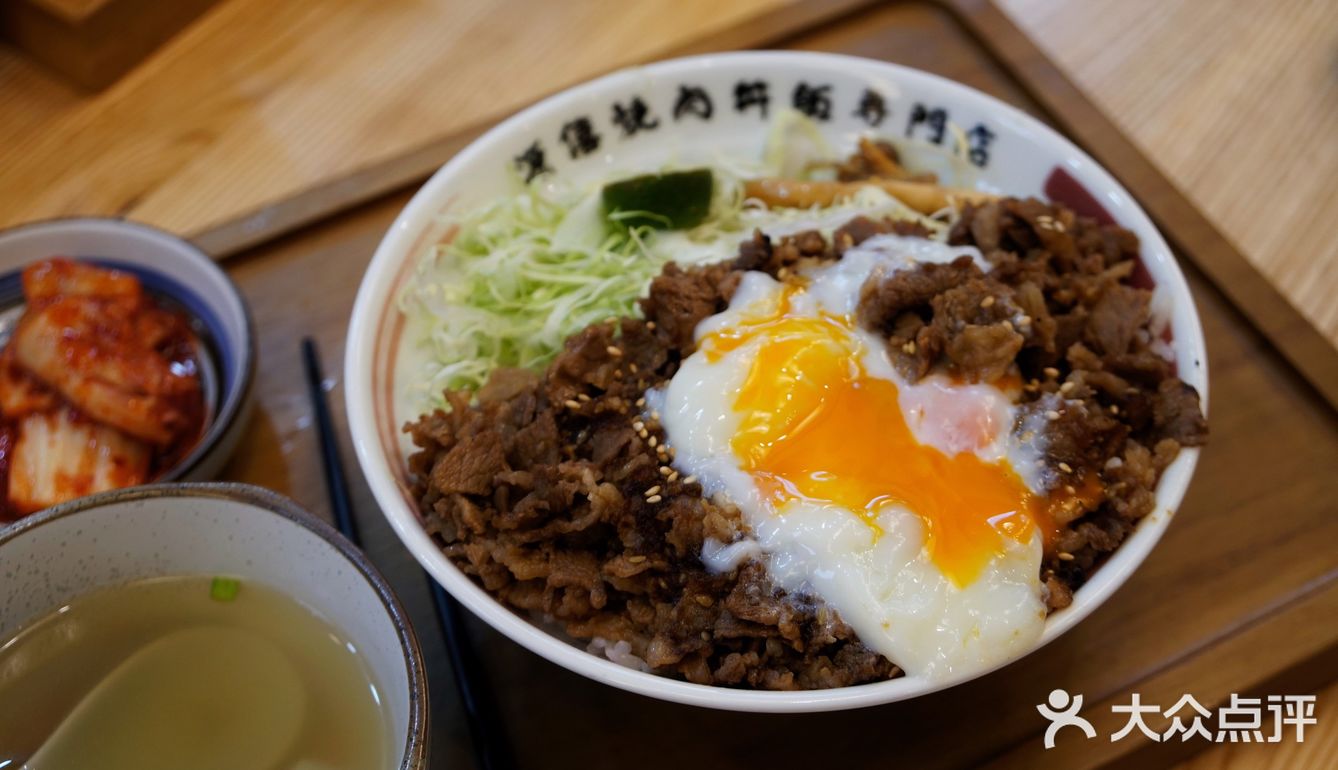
(1240, 596)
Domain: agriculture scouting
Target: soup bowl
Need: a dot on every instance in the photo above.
(97, 542)
(696, 110)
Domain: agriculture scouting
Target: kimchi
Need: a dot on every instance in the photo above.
(99, 387)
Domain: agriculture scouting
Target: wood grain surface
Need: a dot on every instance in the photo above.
(1240, 595)
(264, 98)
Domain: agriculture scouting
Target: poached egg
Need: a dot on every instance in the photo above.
(913, 509)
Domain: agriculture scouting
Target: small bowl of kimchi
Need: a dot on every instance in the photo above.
(126, 358)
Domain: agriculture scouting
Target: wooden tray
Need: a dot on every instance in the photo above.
(1240, 596)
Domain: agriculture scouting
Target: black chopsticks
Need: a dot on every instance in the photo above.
(336, 486)
(490, 746)
(485, 728)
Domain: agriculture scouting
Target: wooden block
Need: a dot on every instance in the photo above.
(94, 42)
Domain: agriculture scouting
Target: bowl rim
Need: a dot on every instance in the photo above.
(234, 400)
(391, 254)
(416, 739)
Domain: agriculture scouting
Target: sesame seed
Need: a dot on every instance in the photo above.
(689, 479)
(570, 404)
(1066, 387)
(1065, 467)
(617, 374)
(665, 470)
(1024, 320)
(614, 351)
(1031, 387)
(638, 426)
(643, 433)
(1059, 227)
(1069, 488)
(654, 499)
(1065, 556)
(632, 368)
(636, 559)
(703, 600)
(706, 636)
(1052, 415)
(582, 397)
(654, 415)
(641, 401)
(987, 302)
(1007, 324)
(1114, 409)
(652, 491)
(909, 348)
(1050, 371)
(673, 476)
(652, 441)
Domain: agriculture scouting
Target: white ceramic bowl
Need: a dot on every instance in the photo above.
(102, 540)
(173, 270)
(1016, 155)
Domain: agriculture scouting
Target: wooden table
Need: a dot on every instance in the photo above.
(1240, 596)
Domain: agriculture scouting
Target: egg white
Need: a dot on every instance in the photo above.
(886, 587)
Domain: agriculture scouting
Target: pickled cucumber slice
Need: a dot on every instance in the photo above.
(676, 200)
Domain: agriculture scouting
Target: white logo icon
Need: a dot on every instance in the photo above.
(1063, 712)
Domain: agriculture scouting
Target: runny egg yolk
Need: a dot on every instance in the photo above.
(816, 426)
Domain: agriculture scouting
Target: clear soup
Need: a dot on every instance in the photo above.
(188, 671)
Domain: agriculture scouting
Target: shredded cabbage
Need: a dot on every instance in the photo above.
(795, 145)
(521, 274)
